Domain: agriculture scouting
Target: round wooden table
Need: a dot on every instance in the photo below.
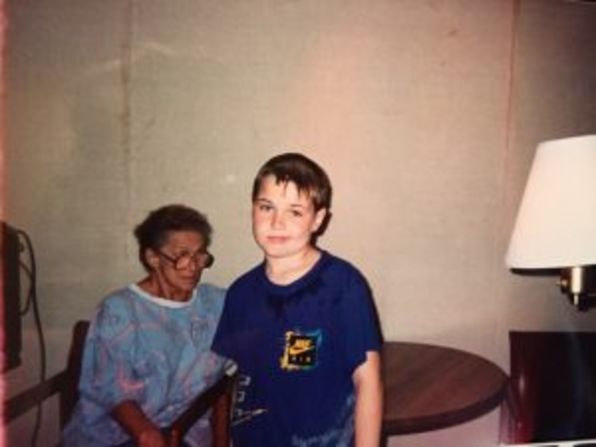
(429, 387)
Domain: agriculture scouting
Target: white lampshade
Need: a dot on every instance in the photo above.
(556, 222)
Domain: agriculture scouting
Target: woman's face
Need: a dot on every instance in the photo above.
(177, 280)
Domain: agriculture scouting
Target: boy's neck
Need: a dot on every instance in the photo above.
(283, 271)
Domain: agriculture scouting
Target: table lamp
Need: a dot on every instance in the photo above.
(556, 221)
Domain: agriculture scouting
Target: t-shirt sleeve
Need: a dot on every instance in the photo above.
(107, 373)
(360, 321)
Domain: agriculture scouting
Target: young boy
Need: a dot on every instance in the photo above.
(301, 326)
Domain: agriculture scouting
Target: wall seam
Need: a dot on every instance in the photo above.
(500, 233)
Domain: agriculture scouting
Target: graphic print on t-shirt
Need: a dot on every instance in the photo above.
(301, 350)
(241, 414)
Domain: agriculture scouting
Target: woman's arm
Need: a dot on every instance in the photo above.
(132, 419)
(369, 401)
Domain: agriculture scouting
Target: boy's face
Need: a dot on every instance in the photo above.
(283, 220)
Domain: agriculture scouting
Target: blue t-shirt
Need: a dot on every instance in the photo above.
(153, 351)
(297, 347)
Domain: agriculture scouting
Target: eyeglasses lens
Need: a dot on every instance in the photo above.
(202, 259)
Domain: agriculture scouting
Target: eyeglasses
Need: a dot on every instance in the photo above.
(202, 259)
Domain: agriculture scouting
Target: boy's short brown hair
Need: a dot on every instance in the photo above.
(307, 175)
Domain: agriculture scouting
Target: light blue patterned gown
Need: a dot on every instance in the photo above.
(150, 350)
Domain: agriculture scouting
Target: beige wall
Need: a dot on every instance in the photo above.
(425, 113)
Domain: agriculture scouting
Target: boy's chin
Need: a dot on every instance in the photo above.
(275, 252)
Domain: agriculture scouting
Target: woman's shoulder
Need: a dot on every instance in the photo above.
(120, 298)
(211, 291)
(114, 312)
(210, 298)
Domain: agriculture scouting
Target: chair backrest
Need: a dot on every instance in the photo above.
(69, 394)
(553, 384)
(63, 384)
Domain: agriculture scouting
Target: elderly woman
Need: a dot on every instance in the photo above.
(147, 352)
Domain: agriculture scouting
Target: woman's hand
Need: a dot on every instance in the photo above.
(174, 439)
(145, 434)
(151, 437)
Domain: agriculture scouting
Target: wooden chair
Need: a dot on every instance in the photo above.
(65, 385)
(552, 389)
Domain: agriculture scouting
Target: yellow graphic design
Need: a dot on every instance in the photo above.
(301, 350)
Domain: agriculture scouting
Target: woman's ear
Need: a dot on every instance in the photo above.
(151, 258)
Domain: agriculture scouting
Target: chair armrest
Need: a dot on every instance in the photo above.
(218, 397)
(33, 396)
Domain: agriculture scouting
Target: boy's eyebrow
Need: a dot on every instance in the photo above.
(292, 205)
